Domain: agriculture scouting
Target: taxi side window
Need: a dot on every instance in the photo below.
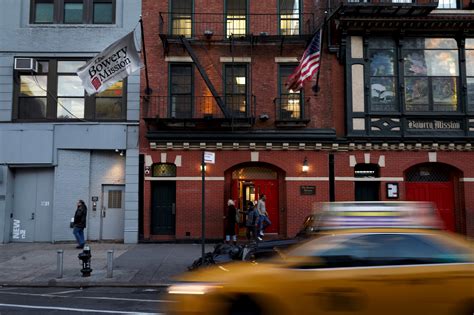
(386, 250)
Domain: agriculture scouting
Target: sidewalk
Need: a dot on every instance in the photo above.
(35, 264)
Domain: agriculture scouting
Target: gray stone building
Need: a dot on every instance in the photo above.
(57, 144)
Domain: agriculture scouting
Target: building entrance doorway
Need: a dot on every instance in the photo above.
(163, 213)
(249, 183)
(33, 205)
(433, 182)
(367, 187)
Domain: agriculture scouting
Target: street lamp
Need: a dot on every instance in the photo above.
(305, 167)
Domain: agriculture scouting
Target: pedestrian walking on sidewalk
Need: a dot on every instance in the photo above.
(251, 221)
(263, 220)
(79, 223)
(231, 221)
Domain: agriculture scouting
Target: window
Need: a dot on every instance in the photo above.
(72, 12)
(115, 199)
(431, 71)
(447, 4)
(383, 95)
(164, 170)
(289, 105)
(181, 17)
(470, 73)
(56, 93)
(236, 17)
(289, 17)
(43, 12)
(236, 89)
(103, 12)
(181, 91)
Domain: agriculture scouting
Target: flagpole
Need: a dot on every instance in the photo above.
(148, 90)
(315, 87)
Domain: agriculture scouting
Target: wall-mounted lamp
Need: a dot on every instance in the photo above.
(122, 152)
(208, 34)
(305, 167)
(200, 168)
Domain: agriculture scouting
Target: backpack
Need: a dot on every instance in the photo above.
(237, 216)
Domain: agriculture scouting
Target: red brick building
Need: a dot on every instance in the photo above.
(393, 118)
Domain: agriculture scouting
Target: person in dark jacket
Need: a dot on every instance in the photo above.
(230, 222)
(251, 221)
(80, 223)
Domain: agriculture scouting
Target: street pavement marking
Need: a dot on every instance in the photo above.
(85, 297)
(76, 309)
(66, 292)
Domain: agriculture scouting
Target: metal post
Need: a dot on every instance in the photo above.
(110, 263)
(60, 263)
(203, 215)
(332, 185)
(148, 90)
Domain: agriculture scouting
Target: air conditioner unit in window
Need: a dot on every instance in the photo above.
(26, 64)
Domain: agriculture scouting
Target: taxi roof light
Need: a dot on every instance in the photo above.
(343, 215)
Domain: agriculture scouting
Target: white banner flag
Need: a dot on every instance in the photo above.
(113, 64)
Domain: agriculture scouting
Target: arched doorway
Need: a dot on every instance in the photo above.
(434, 182)
(249, 181)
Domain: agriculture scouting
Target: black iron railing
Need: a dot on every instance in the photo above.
(197, 107)
(219, 26)
(384, 7)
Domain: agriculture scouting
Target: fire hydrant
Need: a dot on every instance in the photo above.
(85, 257)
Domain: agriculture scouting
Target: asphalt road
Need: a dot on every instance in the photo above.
(96, 300)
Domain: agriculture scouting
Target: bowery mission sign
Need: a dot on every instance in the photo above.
(433, 124)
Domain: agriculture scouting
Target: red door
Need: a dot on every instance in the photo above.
(269, 187)
(441, 193)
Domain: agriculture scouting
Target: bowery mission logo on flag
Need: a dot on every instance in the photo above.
(113, 64)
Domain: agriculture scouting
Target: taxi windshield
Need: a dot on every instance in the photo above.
(382, 249)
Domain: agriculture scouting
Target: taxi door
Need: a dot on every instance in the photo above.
(378, 273)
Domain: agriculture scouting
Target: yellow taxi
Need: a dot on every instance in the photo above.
(368, 258)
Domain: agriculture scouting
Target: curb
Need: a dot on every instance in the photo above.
(53, 283)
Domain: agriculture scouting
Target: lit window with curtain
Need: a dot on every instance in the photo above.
(236, 17)
(383, 92)
(447, 4)
(289, 104)
(181, 17)
(236, 80)
(431, 74)
(470, 73)
(289, 17)
(181, 91)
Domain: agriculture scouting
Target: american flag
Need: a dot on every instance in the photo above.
(309, 64)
